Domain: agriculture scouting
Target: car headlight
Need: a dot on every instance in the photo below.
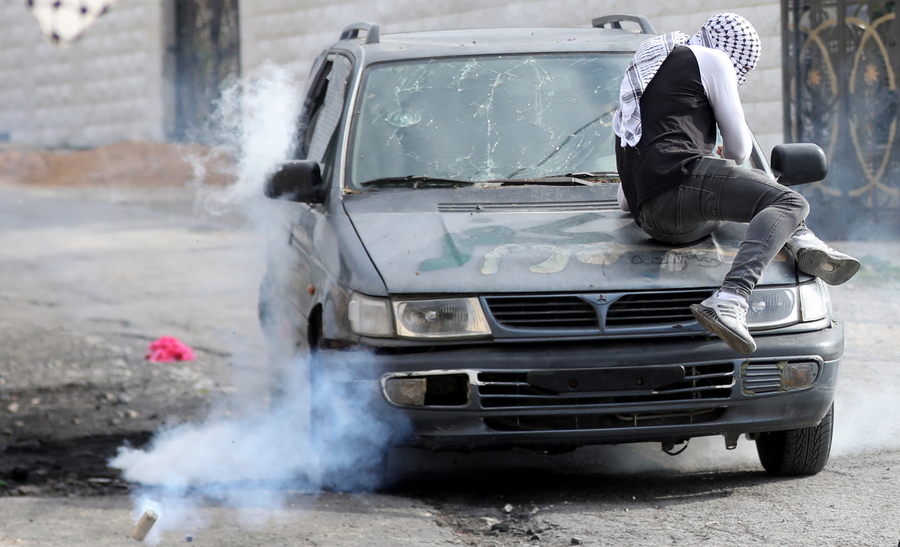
(779, 307)
(444, 318)
(370, 316)
(771, 308)
(815, 300)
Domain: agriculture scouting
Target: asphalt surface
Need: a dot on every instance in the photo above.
(88, 277)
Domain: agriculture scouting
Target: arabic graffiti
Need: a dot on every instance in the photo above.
(555, 241)
(676, 260)
(606, 254)
(458, 248)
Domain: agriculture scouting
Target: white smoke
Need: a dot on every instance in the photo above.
(267, 450)
(256, 461)
(256, 125)
(866, 404)
(861, 426)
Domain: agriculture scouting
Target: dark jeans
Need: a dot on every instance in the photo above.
(720, 190)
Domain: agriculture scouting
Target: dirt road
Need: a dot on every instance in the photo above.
(88, 277)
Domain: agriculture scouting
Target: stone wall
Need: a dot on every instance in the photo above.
(107, 87)
(115, 83)
(282, 33)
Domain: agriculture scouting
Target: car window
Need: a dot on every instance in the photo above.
(483, 119)
(324, 116)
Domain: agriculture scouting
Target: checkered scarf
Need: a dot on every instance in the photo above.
(64, 21)
(728, 32)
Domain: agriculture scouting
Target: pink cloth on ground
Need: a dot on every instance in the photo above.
(167, 349)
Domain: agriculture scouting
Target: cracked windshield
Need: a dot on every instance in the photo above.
(487, 120)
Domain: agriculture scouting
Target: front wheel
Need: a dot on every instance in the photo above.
(797, 452)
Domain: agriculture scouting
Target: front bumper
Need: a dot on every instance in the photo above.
(720, 393)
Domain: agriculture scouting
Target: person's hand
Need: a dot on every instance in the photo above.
(719, 151)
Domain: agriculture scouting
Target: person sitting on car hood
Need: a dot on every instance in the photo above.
(675, 93)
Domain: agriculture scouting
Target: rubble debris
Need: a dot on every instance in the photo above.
(167, 349)
(508, 508)
(148, 519)
(19, 474)
(124, 164)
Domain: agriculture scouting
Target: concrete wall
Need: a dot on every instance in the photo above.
(291, 34)
(107, 87)
(113, 84)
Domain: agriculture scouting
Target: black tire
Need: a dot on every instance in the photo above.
(797, 452)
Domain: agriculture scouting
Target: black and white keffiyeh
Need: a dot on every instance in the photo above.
(644, 65)
(735, 36)
(727, 32)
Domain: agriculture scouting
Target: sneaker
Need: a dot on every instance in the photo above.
(727, 319)
(816, 258)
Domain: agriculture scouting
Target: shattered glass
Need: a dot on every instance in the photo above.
(487, 118)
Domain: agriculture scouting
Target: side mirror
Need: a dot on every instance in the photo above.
(799, 163)
(299, 180)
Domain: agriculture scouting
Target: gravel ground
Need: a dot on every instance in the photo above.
(89, 276)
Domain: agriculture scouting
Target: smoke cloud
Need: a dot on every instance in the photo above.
(256, 461)
(330, 437)
(866, 404)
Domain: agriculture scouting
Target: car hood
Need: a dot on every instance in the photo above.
(477, 246)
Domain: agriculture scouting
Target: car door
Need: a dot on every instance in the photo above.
(317, 140)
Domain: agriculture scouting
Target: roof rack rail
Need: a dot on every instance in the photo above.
(373, 32)
(615, 21)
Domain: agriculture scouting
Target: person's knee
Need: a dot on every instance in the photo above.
(794, 203)
(801, 205)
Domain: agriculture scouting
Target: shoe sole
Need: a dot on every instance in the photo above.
(830, 269)
(709, 321)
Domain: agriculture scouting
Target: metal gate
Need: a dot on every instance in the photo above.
(207, 54)
(841, 66)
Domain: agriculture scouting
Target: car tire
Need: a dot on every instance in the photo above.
(797, 452)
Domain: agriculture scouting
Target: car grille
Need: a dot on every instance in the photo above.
(543, 312)
(653, 308)
(761, 377)
(512, 390)
(567, 422)
(617, 312)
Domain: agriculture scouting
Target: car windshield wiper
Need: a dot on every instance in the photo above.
(416, 181)
(569, 179)
(596, 176)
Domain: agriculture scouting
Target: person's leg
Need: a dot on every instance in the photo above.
(720, 190)
(677, 217)
(660, 219)
(773, 212)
